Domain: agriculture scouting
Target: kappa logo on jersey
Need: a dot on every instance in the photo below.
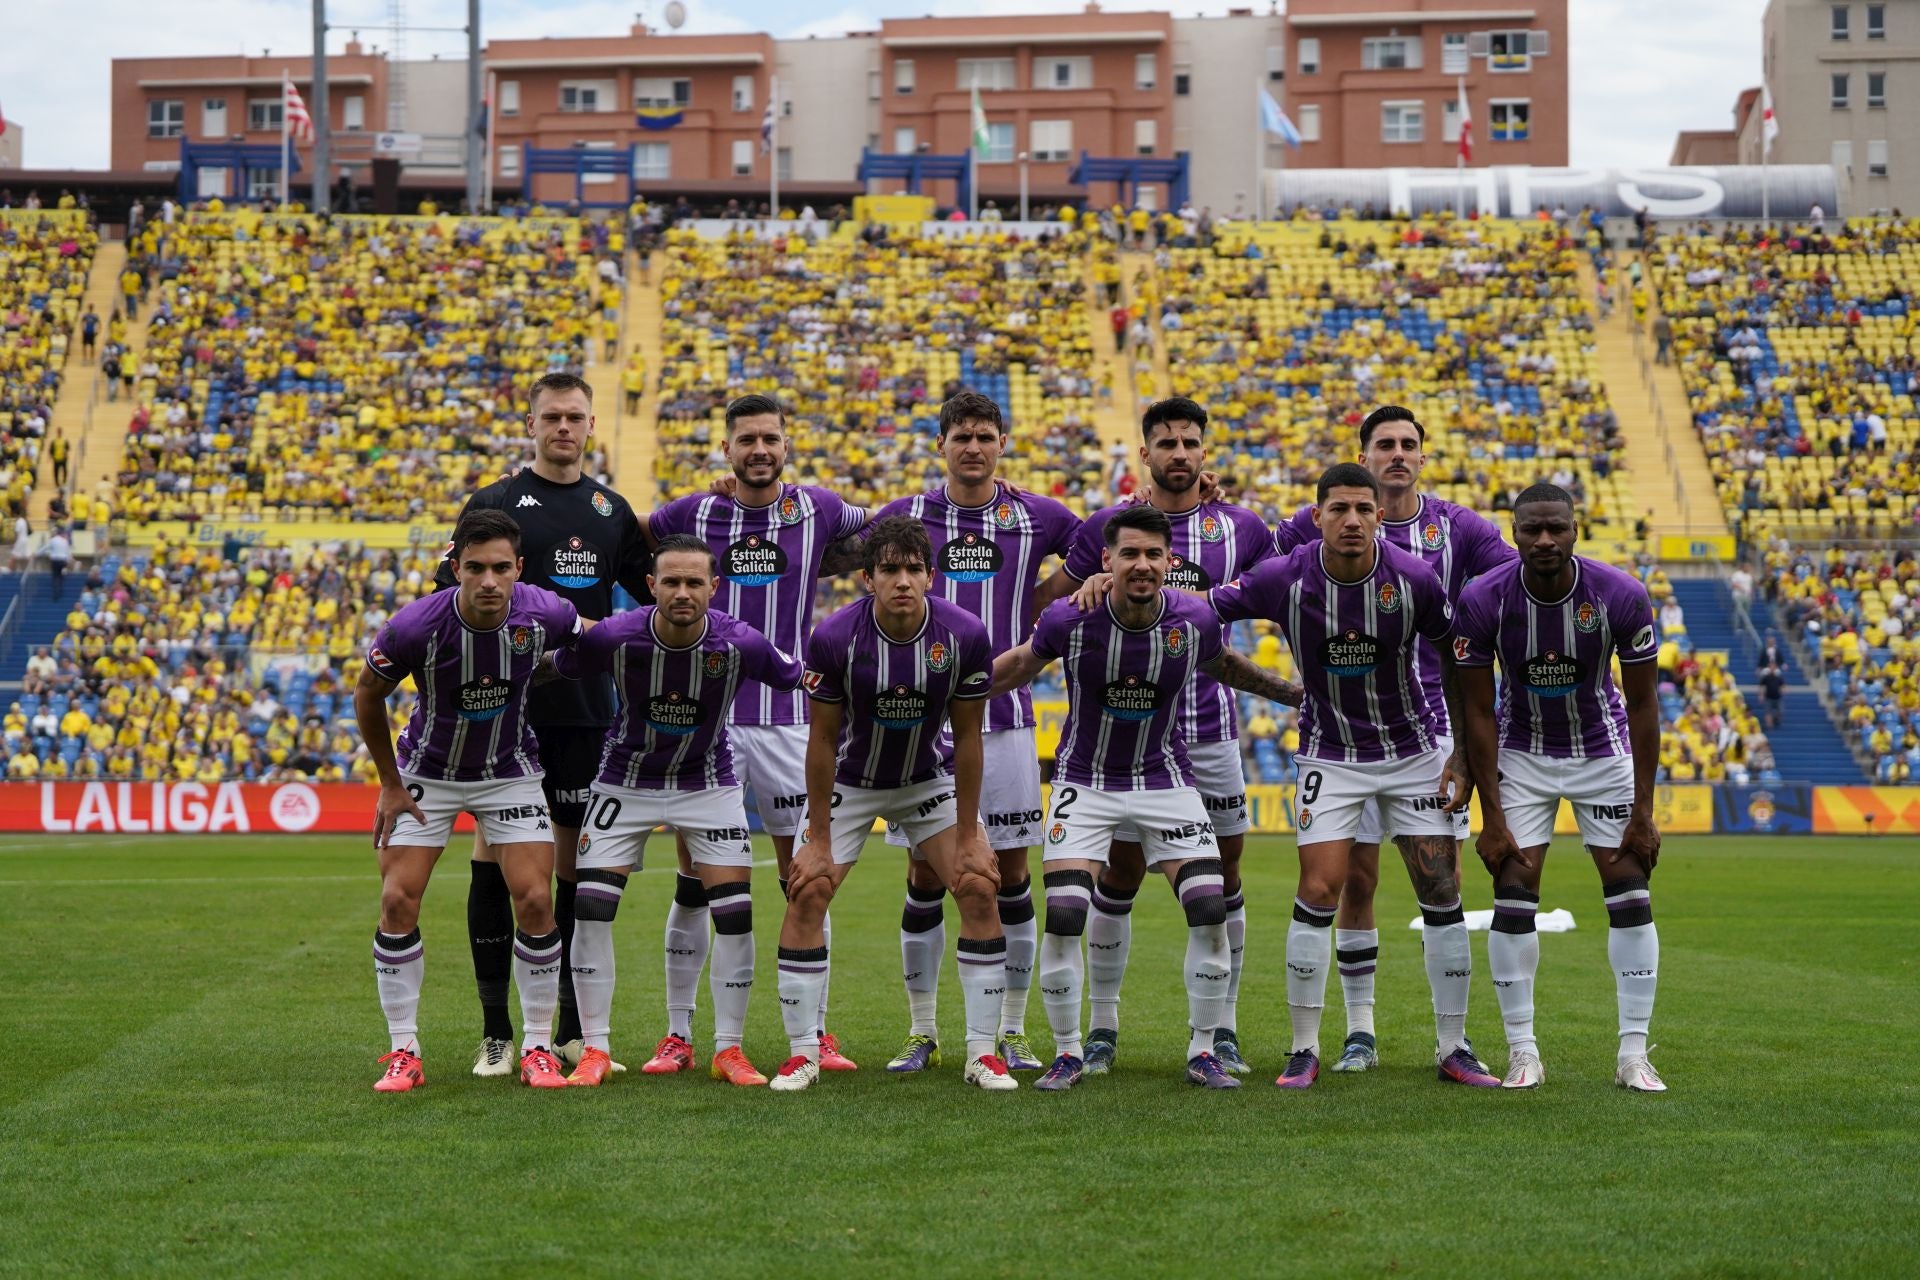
(1388, 597)
(1187, 575)
(575, 564)
(970, 558)
(1643, 639)
(716, 665)
(1211, 530)
(527, 500)
(601, 503)
(754, 562)
(485, 698)
(1056, 833)
(674, 713)
(1431, 538)
(1130, 699)
(1176, 642)
(939, 657)
(1462, 648)
(521, 640)
(1350, 654)
(1586, 618)
(789, 509)
(900, 707)
(1005, 516)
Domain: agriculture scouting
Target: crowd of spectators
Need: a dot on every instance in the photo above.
(44, 260)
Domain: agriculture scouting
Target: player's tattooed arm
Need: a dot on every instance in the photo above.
(1456, 783)
(1641, 839)
(1433, 862)
(1015, 669)
(843, 556)
(1236, 672)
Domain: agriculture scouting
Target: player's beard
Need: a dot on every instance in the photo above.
(1170, 484)
(740, 474)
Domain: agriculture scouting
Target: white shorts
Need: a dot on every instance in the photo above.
(1600, 787)
(772, 760)
(507, 811)
(1371, 829)
(1169, 825)
(922, 811)
(1009, 791)
(1330, 797)
(1221, 781)
(619, 820)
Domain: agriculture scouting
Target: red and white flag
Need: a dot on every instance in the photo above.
(1769, 127)
(1466, 126)
(3, 124)
(299, 123)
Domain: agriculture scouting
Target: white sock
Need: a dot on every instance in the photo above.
(398, 966)
(1513, 957)
(826, 932)
(1236, 949)
(730, 980)
(536, 971)
(1060, 980)
(1109, 938)
(687, 943)
(1633, 949)
(1443, 931)
(1357, 952)
(802, 973)
(1022, 932)
(1309, 951)
(923, 940)
(593, 978)
(1209, 967)
(983, 986)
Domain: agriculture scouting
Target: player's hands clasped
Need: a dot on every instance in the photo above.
(394, 800)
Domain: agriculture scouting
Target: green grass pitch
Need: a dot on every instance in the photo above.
(192, 1029)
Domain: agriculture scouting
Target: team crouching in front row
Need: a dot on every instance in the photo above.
(898, 686)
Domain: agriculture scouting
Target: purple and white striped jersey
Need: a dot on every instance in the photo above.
(987, 561)
(1458, 545)
(769, 571)
(896, 692)
(1125, 690)
(1557, 696)
(469, 723)
(1215, 542)
(671, 734)
(1355, 644)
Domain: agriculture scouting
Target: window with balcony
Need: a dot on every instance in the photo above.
(1509, 51)
(1509, 119)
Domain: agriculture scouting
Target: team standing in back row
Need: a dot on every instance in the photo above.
(911, 706)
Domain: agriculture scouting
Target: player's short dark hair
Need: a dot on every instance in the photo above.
(902, 535)
(970, 406)
(753, 406)
(1543, 492)
(484, 524)
(1144, 518)
(1172, 409)
(1389, 413)
(1345, 475)
(558, 382)
(686, 542)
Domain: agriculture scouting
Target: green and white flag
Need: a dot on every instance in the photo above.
(982, 142)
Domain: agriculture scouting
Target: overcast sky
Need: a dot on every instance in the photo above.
(1642, 69)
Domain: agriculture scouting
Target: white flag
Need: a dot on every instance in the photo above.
(1769, 127)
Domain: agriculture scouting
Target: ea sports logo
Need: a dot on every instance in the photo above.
(295, 807)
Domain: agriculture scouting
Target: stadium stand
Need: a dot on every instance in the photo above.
(44, 261)
(300, 369)
(862, 337)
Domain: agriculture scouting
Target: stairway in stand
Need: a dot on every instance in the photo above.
(98, 441)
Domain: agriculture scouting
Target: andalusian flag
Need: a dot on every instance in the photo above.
(982, 140)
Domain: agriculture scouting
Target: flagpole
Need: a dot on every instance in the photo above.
(773, 148)
(286, 138)
(1259, 157)
(486, 180)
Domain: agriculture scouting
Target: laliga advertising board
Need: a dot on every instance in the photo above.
(189, 808)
